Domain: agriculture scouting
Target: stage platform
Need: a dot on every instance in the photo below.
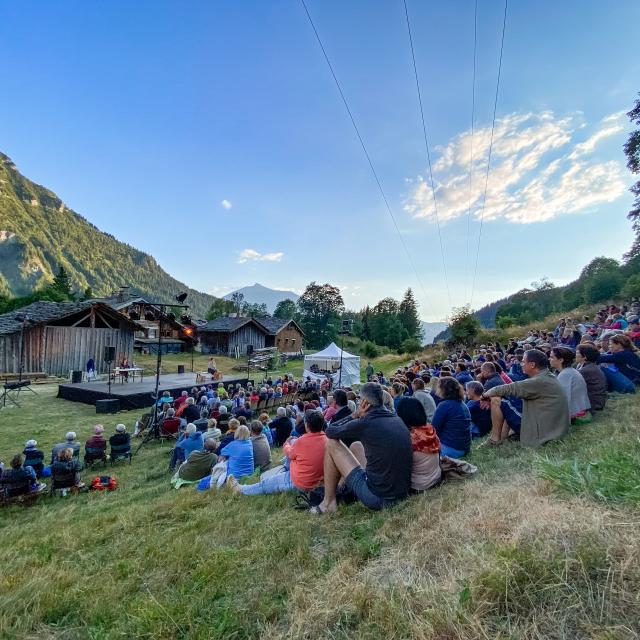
(137, 395)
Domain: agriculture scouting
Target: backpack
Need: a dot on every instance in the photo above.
(104, 483)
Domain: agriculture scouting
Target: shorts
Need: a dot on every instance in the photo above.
(357, 483)
(512, 417)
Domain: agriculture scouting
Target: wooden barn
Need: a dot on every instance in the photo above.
(231, 336)
(57, 337)
(286, 335)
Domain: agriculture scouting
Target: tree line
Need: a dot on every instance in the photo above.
(320, 312)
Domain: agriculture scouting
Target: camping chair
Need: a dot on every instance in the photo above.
(63, 480)
(261, 405)
(169, 428)
(254, 406)
(94, 454)
(270, 403)
(120, 452)
(18, 492)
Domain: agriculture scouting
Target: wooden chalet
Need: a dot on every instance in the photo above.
(237, 336)
(285, 335)
(57, 337)
(175, 335)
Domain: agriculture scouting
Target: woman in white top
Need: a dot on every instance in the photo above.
(574, 385)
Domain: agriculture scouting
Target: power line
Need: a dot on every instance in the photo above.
(493, 124)
(364, 149)
(473, 110)
(426, 143)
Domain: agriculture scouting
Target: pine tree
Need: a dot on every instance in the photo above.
(61, 283)
(409, 315)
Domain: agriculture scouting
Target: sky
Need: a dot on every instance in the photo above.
(211, 135)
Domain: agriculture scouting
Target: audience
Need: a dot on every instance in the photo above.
(561, 359)
(33, 457)
(261, 448)
(239, 454)
(198, 465)
(19, 479)
(95, 448)
(587, 358)
(69, 443)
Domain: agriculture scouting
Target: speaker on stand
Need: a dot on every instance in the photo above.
(109, 357)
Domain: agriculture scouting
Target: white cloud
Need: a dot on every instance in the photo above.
(226, 204)
(537, 171)
(251, 255)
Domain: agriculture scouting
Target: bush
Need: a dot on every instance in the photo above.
(631, 287)
(370, 350)
(410, 345)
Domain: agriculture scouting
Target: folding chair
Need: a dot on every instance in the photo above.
(120, 452)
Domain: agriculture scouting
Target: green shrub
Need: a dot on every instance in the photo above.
(410, 345)
(370, 350)
(631, 287)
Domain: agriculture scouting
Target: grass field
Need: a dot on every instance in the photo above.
(541, 544)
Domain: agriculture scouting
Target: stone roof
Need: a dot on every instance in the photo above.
(46, 311)
(224, 324)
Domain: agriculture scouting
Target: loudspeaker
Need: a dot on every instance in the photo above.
(108, 406)
(76, 376)
(249, 349)
(109, 354)
(180, 368)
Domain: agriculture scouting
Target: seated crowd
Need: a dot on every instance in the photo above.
(388, 440)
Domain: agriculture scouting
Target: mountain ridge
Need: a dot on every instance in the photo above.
(259, 294)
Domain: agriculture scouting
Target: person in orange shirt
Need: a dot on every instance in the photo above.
(306, 469)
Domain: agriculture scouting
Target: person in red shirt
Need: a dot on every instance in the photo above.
(306, 456)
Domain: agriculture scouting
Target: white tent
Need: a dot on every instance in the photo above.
(327, 362)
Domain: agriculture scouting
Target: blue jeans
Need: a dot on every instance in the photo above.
(278, 483)
(451, 452)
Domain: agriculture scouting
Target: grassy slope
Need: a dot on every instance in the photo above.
(501, 556)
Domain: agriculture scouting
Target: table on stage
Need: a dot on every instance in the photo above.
(132, 371)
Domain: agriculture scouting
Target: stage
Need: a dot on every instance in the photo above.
(137, 395)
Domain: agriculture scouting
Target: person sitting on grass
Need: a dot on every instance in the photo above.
(561, 359)
(377, 466)
(261, 448)
(203, 421)
(545, 413)
(230, 434)
(33, 457)
(264, 421)
(65, 471)
(197, 466)
(95, 448)
(223, 419)
(425, 398)
(281, 427)
(212, 432)
(587, 359)
(190, 440)
(425, 471)
(623, 355)
(479, 410)
(306, 462)
(452, 420)
(239, 453)
(17, 477)
(342, 411)
(70, 442)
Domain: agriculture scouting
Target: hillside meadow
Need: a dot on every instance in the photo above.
(541, 544)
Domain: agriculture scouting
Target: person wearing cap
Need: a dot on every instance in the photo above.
(33, 457)
(69, 443)
(121, 440)
(95, 448)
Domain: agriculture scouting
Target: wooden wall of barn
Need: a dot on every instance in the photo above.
(33, 350)
(289, 340)
(68, 348)
(226, 343)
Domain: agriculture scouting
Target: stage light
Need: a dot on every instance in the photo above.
(181, 297)
(188, 331)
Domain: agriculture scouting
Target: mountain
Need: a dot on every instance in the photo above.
(430, 330)
(259, 294)
(39, 233)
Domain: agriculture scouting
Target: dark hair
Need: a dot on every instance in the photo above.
(462, 366)
(314, 421)
(566, 355)
(412, 413)
(256, 427)
(450, 389)
(16, 461)
(474, 386)
(537, 357)
(488, 366)
(340, 397)
(418, 383)
(622, 340)
(588, 352)
(372, 393)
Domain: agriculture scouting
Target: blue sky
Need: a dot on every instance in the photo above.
(146, 116)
